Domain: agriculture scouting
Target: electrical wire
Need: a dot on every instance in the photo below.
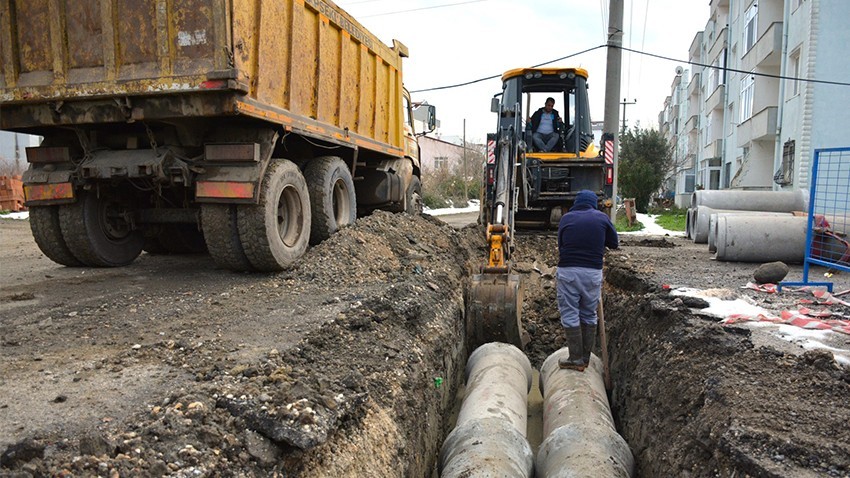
(734, 70)
(466, 83)
(423, 8)
(661, 57)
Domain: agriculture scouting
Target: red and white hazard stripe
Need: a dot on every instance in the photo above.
(609, 151)
(491, 152)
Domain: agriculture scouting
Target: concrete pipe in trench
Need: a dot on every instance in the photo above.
(580, 437)
(761, 238)
(712, 223)
(489, 438)
(775, 201)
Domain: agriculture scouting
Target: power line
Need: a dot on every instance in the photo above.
(423, 8)
(499, 75)
(662, 57)
(734, 70)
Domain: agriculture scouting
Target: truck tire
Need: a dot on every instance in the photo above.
(333, 201)
(275, 232)
(44, 223)
(221, 234)
(413, 197)
(96, 235)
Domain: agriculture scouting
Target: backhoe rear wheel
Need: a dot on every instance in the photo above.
(44, 223)
(98, 232)
(333, 201)
(275, 232)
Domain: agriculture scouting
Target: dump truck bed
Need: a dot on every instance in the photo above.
(304, 64)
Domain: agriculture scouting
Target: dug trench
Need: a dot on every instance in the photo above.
(369, 387)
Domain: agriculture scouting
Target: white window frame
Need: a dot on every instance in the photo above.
(794, 85)
(748, 87)
(441, 162)
(750, 27)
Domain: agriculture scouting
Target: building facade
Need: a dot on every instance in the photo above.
(754, 115)
(13, 154)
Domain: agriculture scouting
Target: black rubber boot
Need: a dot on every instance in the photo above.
(574, 361)
(588, 340)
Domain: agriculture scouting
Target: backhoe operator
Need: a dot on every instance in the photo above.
(545, 123)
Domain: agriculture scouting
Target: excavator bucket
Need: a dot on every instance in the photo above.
(493, 310)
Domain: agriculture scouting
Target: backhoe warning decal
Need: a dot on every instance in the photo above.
(48, 192)
(609, 151)
(491, 152)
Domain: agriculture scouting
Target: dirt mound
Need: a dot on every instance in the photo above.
(357, 393)
(693, 397)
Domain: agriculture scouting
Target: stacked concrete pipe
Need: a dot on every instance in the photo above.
(712, 222)
(772, 201)
(489, 438)
(761, 238)
(580, 437)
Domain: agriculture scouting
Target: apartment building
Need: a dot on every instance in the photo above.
(753, 116)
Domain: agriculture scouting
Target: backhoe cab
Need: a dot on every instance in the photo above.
(525, 187)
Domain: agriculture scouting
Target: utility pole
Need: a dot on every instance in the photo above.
(465, 181)
(612, 86)
(624, 103)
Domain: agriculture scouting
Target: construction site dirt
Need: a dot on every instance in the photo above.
(350, 363)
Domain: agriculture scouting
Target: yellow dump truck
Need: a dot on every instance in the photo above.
(248, 129)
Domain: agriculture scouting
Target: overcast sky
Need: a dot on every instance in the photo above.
(456, 41)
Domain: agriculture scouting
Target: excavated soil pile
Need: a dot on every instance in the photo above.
(362, 394)
(348, 365)
(693, 397)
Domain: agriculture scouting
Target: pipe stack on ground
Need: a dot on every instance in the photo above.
(705, 203)
(580, 437)
(761, 238)
(761, 244)
(489, 438)
(712, 222)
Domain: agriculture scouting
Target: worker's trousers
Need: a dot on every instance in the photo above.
(579, 289)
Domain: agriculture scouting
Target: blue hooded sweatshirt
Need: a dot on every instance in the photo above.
(584, 232)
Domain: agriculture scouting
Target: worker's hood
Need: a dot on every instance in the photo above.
(585, 200)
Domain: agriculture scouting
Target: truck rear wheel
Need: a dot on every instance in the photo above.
(97, 232)
(44, 223)
(221, 234)
(413, 198)
(333, 201)
(275, 233)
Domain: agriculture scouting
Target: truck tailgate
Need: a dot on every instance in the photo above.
(85, 48)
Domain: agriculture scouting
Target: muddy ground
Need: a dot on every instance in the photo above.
(348, 364)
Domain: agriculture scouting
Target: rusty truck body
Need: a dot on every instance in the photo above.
(245, 128)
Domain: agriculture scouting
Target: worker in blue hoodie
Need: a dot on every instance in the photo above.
(583, 234)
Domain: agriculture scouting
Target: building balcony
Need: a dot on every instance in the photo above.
(696, 46)
(693, 86)
(718, 45)
(767, 52)
(714, 149)
(761, 126)
(715, 101)
(692, 123)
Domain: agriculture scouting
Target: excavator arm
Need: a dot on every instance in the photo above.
(494, 304)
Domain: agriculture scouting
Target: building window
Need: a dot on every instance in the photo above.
(785, 175)
(795, 72)
(441, 162)
(727, 175)
(689, 182)
(748, 84)
(750, 27)
(717, 72)
(707, 134)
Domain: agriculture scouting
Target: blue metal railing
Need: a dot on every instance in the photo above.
(829, 207)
